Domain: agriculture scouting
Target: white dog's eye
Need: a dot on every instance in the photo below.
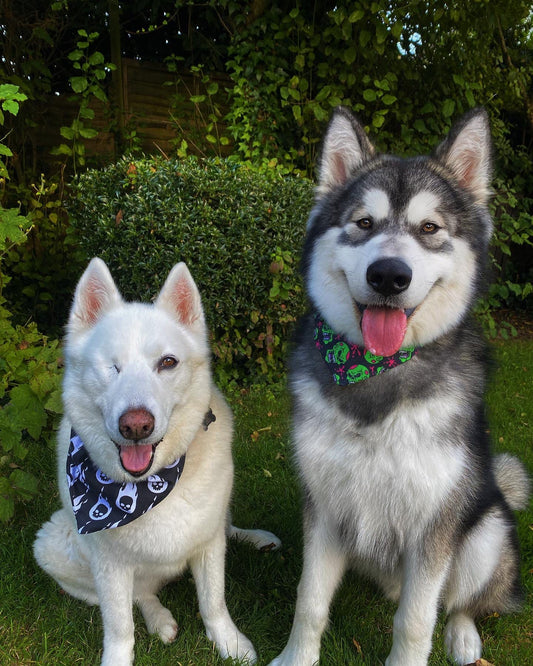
(166, 363)
(116, 368)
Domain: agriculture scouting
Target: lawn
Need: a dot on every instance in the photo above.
(41, 625)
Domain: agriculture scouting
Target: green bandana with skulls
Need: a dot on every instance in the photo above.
(349, 363)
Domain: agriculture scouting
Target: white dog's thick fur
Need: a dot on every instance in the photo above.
(118, 357)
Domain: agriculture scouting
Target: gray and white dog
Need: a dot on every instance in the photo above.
(388, 379)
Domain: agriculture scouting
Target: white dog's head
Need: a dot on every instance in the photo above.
(137, 376)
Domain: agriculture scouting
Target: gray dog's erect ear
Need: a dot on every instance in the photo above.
(467, 153)
(345, 148)
(181, 298)
(95, 294)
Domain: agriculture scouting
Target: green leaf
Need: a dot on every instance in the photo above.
(7, 505)
(88, 133)
(62, 149)
(11, 106)
(320, 113)
(23, 483)
(79, 84)
(86, 113)
(29, 409)
(4, 150)
(369, 95)
(355, 16)
(67, 133)
(378, 120)
(448, 108)
(350, 55)
(96, 58)
(13, 226)
(396, 30)
(75, 55)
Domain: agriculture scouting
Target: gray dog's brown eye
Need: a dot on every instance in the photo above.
(364, 223)
(429, 228)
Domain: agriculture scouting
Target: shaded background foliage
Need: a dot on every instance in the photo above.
(407, 69)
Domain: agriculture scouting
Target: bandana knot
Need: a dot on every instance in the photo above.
(350, 363)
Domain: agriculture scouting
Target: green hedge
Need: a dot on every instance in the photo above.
(238, 230)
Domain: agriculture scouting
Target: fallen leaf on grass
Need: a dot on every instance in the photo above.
(481, 662)
(357, 646)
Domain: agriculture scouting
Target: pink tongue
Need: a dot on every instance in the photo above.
(383, 330)
(136, 457)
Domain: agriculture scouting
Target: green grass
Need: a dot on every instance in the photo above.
(41, 625)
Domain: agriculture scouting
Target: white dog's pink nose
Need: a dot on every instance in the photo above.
(136, 424)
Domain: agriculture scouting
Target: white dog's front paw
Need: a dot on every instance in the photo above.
(164, 625)
(118, 654)
(231, 643)
(159, 620)
(462, 640)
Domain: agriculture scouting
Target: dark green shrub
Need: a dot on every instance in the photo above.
(238, 230)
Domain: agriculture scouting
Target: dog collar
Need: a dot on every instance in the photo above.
(350, 363)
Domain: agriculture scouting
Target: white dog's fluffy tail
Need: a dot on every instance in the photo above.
(513, 480)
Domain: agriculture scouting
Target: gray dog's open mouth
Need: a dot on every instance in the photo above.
(136, 459)
(383, 328)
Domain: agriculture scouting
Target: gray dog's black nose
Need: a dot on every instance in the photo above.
(389, 276)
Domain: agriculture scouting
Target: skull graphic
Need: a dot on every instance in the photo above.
(100, 510)
(127, 497)
(103, 478)
(341, 352)
(357, 372)
(156, 484)
(372, 358)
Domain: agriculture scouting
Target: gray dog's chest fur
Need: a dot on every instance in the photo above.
(387, 455)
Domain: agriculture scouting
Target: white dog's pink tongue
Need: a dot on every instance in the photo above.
(136, 458)
(383, 330)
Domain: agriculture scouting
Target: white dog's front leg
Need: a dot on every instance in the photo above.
(114, 585)
(324, 566)
(208, 571)
(415, 618)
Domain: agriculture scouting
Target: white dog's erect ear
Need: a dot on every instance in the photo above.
(467, 153)
(95, 294)
(345, 148)
(180, 297)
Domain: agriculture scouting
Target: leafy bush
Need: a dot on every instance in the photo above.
(29, 374)
(238, 230)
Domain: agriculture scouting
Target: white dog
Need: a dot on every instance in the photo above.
(144, 464)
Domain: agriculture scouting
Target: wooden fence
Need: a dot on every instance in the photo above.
(157, 114)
